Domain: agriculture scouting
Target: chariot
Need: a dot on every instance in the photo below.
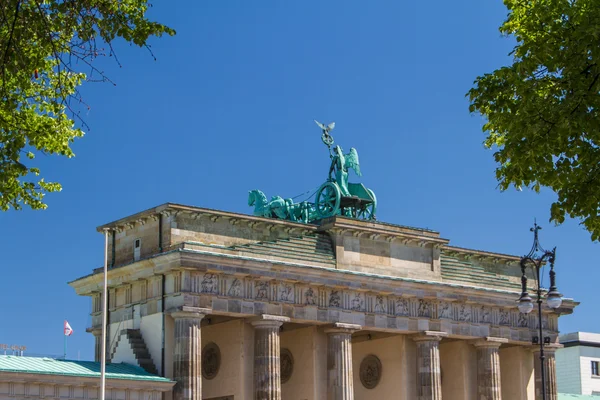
(334, 197)
(361, 204)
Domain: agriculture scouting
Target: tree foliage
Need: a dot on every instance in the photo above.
(543, 110)
(48, 48)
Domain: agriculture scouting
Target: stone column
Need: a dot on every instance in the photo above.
(339, 361)
(488, 368)
(429, 373)
(549, 372)
(97, 343)
(267, 377)
(187, 357)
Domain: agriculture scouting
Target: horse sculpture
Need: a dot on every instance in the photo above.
(278, 207)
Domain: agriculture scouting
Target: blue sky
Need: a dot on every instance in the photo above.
(229, 107)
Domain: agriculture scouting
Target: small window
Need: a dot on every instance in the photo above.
(137, 246)
(595, 368)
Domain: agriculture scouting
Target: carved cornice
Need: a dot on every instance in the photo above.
(480, 256)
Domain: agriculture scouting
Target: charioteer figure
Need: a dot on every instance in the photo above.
(340, 164)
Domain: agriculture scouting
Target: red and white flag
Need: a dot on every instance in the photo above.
(68, 329)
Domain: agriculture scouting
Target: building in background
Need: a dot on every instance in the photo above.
(47, 378)
(578, 363)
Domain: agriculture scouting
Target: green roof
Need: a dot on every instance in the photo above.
(87, 369)
(568, 396)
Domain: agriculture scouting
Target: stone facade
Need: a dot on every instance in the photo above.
(355, 282)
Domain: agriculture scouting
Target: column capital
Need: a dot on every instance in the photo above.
(489, 342)
(548, 348)
(340, 327)
(429, 336)
(269, 321)
(189, 312)
(95, 331)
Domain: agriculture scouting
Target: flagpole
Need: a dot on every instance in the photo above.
(65, 347)
(104, 305)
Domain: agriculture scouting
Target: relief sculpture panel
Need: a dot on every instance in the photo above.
(380, 305)
(310, 297)
(358, 302)
(210, 283)
(335, 299)
(445, 310)
(286, 292)
(402, 308)
(424, 309)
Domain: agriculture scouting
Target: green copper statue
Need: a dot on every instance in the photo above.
(334, 197)
(340, 164)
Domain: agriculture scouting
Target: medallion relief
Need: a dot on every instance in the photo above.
(211, 360)
(286, 361)
(370, 371)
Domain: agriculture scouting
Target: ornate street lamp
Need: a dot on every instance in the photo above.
(536, 258)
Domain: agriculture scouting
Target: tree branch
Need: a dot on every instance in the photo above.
(12, 30)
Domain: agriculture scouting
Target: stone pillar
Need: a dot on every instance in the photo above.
(429, 373)
(339, 361)
(267, 377)
(97, 344)
(488, 368)
(187, 356)
(549, 372)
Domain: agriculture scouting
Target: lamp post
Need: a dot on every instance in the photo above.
(536, 259)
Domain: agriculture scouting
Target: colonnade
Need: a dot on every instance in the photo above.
(340, 380)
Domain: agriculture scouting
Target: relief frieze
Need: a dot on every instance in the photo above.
(358, 301)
